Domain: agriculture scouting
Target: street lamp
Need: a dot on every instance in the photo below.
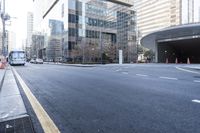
(82, 42)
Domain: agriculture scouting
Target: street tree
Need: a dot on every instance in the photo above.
(149, 54)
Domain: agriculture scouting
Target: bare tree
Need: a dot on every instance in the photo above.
(110, 51)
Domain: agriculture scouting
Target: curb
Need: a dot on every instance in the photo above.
(74, 65)
(13, 115)
(195, 68)
(1, 83)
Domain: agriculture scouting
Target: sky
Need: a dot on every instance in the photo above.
(17, 9)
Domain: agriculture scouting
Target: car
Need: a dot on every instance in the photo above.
(39, 61)
(32, 61)
(142, 61)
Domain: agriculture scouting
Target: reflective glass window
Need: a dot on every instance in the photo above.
(72, 4)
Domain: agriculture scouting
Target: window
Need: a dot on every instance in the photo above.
(80, 32)
(71, 45)
(21, 55)
(72, 4)
(72, 18)
(72, 32)
(80, 19)
(79, 6)
(92, 34)
(75, 19)
(95, 22)
(87, 20)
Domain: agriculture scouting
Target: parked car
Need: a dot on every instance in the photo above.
(39, 61)
(32, 61)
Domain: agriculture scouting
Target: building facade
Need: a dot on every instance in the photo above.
(154, 15)
(37, 46)
(88, 30)
(11, 41)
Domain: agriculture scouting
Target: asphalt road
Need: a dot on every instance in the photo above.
(154, 98)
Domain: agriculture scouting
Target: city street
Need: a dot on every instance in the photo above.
(130, 98)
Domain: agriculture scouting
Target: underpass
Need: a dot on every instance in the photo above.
(179, 51)
(177, 44)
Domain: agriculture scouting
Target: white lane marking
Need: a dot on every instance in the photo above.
(170, 78)
(196, 101)
(46, 122)
(118, 70)
(187, 70)
(142, 75)
(197, 81)
(124, 73)
(36, 67)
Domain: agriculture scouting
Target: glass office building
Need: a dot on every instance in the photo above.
(87, 31)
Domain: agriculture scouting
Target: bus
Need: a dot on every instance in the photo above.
(17, 58)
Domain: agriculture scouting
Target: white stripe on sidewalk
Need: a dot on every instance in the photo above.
(142, 75)
(46, 122)
(196, 101)
(170, 78)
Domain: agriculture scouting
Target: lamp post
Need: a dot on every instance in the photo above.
(82, 42)
(166, 56)
(101, 47)
(83, 39)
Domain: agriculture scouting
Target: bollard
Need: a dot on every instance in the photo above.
(188, 60)
(167, 61)
(176, 61)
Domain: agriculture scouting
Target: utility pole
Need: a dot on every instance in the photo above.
(83, 41)
(4, 18)
(101, 50)
(3, 23)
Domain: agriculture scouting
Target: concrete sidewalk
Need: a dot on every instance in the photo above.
(13, 114)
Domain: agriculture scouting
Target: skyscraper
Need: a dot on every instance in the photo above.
(37, 46)
(11, 41)
(153, 15)
(29, 33)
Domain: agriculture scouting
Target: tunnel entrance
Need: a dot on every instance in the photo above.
(180, 49)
